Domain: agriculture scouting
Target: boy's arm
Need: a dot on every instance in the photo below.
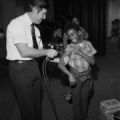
(64, 69)
(61, 63)
(86, 50)
(90, 59)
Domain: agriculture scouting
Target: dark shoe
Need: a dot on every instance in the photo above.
(68, 98)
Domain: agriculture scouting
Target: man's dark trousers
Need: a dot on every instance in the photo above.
(27, 86)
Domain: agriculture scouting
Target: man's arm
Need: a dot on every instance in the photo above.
(26, 51)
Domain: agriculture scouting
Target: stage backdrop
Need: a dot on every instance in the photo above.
(92, 14)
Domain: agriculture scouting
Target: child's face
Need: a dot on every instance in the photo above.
(75, 20)
(59, 32)
(73, 35)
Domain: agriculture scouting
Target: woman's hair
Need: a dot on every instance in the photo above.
(71, 26)
(40, 4)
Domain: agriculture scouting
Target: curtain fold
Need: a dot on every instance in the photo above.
(92, 14)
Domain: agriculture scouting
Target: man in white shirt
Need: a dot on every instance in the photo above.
(24, 70)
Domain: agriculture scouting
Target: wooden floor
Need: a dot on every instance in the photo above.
(106, 86)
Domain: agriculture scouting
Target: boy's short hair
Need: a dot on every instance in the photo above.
(72, 26)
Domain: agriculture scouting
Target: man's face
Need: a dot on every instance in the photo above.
(73, 35)
(40, 15)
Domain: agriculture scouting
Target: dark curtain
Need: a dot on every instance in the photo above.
(19, 2)
(92, 14)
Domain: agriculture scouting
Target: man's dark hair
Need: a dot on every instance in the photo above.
(40, 4)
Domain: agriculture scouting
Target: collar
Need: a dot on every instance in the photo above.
(28, 20)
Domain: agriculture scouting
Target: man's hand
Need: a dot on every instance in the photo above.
(51, 53)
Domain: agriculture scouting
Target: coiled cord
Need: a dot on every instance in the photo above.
(47, 86)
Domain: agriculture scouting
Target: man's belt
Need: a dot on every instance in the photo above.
(22, 61)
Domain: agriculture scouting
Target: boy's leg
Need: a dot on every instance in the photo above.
(80, 100)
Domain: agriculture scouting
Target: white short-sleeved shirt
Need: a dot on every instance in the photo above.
(19, 31)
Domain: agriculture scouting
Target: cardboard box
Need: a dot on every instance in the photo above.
(108, 108)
